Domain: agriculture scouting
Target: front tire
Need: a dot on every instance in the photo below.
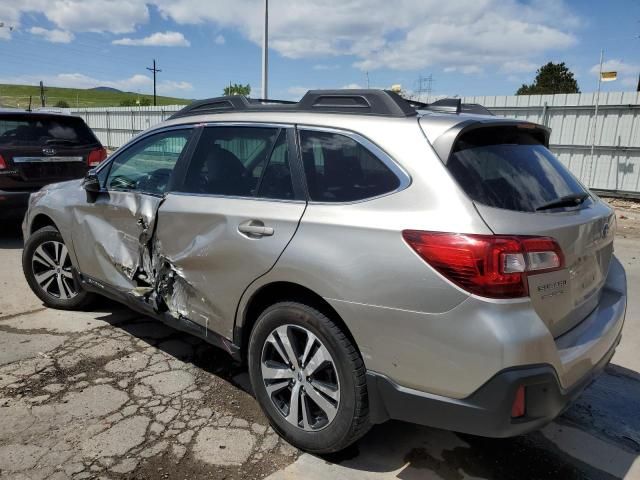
(308, 377)
(47, 267)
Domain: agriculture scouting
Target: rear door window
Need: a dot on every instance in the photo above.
(241, 161)
(42, 130)
(508, 168)
(339, 169)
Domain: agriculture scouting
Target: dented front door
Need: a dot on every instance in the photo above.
(113, 231)
(112, 234)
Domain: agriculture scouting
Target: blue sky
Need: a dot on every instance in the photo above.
(470, 47)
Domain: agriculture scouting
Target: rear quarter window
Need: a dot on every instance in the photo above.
(339, 169)
(508, 168)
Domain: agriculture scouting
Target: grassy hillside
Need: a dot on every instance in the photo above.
(18, 96)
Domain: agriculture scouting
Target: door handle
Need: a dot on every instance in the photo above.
(255, 228)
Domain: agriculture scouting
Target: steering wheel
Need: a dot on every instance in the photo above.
(155, 181)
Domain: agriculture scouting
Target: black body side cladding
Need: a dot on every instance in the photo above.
(183, 324)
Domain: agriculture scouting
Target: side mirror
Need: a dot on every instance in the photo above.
(91, 183)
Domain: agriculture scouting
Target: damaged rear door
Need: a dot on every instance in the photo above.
(238, 207)
(113, 231)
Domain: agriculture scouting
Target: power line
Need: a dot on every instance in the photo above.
(154, 70)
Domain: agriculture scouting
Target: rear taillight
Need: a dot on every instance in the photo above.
(96, 156)
(494, 266)
(3, 164)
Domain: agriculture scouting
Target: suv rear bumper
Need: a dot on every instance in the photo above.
(487, 412)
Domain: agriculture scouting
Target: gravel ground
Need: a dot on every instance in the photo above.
(110, 394)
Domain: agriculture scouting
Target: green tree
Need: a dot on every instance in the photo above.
(238, 89)
(62, 104)
(551, 78)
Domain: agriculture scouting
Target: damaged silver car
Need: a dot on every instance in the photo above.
(365, 257)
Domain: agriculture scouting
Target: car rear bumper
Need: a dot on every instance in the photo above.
(13, 204)
(551, 382)
(487, 412)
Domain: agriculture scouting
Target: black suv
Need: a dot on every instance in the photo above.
(38, 148)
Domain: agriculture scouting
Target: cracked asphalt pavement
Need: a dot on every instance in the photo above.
(108, 393)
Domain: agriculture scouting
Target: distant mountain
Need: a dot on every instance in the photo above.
(106, 89)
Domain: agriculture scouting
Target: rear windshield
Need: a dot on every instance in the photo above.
(44, 130)
(506, 167)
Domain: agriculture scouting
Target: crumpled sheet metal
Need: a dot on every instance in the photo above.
(121, 229)
(128, 245)
(179, 296)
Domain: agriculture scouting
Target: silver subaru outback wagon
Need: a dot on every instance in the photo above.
(366, 259)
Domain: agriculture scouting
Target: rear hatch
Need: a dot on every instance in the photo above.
(38, 149)
(520, 188)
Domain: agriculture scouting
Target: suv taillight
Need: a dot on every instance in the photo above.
(3, 164)
(494, 266)
(96, 156)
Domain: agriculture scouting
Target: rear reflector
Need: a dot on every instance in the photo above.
(3, 164)
(96, 156)
(518, 409)
(494, 266)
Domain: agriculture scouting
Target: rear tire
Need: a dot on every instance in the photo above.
(48, 270)
(308, 377)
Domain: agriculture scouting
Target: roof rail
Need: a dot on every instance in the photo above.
(267, 101)
(360, 101)
(450, 105)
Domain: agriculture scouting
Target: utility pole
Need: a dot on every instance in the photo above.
(154, 70)
(595, 119)
(42, 98)
(265, 52)
(367, 79)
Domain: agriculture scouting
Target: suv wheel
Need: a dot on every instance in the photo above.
(308, 378)
(49, 273)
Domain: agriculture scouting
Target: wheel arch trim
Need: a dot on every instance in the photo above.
(256, 299)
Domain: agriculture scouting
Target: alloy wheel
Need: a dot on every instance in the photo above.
(52, 270)
(300, 377)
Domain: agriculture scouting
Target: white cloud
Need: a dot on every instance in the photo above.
(353, 85)
(404, 35)
(468, 35)
(519, 66)
(158, 39)
(53, 36)
(466, 69)
(169, 86)
(219, 40)
(322, 66)
(115, 16)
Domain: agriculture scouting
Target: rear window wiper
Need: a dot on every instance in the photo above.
(572, 200)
